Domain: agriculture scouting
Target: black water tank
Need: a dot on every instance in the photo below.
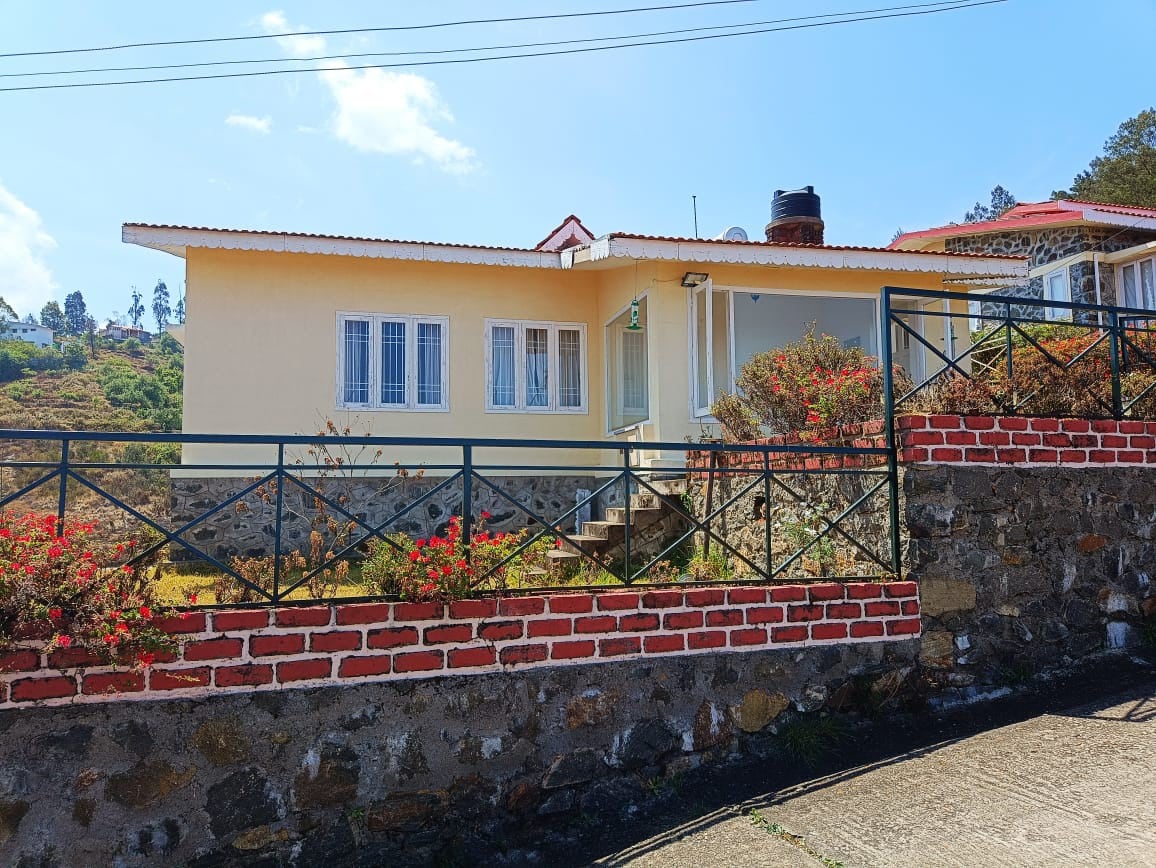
(795, 203)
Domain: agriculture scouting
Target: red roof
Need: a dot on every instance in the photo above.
(573, 218)
(1030, 214)
(837, 247)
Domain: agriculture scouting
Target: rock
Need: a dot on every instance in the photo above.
(813, 698)
(559, 803)
(939, 596)
(591, 708)
(241, 801)
(134, 736)
(259, 838)
(522, 796)
(11, 813)
(328, 778)
(83, 811)
(1091, 542)
(147, 783)
(711, 727)
(647, 742)
(758, 708)
(74, 740)
(1008, 610)
(407, 812)
(584, 764)
(1081, 614)
(936, 649)
(222, 742)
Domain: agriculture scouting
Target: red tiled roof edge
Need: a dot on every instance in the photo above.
(833, 247)
(558, 228)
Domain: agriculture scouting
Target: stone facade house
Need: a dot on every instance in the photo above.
(1085, 252)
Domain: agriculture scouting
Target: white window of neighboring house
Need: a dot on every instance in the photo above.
(1137, 282)
(1057, 288)
(535, 367)
(387, 362)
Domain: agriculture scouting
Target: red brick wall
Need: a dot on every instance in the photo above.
(1025, 441)
(264, 649)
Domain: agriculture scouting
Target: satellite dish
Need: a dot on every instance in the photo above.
(732, 233)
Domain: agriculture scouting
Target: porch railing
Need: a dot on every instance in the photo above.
(812, 498)
(1021, 356)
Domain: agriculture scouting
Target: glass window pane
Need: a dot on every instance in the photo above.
(537, 368)
(429, 364)
(569, 368)
(502, 366)
(721, 346)
(634, 373)
(1131, 297)
(355, 376)
(393, 363)
(702, 359)
(1146, 284)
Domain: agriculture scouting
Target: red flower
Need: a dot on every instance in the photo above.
(145, 612)
(485, 515)
(146, 658)
(447, 569)
(55, 612)
(63, 641)
(420, 543)
(461, 564)
(414, 556)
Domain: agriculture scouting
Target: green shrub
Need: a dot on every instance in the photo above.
(18, 358)
(132, 346)
(75, 356)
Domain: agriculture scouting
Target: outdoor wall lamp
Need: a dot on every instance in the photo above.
(694, 278)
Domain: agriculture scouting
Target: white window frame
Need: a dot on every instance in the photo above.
(1135, 263)
(411, 322)
(617, 389)
(1053, 314)
(520, 326)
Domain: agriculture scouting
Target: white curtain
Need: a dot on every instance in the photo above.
(569, 368)
(502, 366)
(634, 375)
(537, 368)
(356, 371)
(392, 362)
(429, 363)
(1148, 283)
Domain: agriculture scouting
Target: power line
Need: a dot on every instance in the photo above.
(516, 19)
(454, 61)
(325, 57)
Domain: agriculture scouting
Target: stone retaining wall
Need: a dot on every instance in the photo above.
(404, 734)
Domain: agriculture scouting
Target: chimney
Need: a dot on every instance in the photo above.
(795, 217)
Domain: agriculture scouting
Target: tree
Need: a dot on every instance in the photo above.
(51, 316)
(179, 313)
(1126, 173)
(90, 334)
(136, 309)
(1002, 201)
(75, 313)
(30, 319)
(7, 312)
(161, 309)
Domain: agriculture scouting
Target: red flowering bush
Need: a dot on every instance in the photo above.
(440, 567)
(807, 386)
(59, 586)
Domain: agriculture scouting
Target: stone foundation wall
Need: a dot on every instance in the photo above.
(248, 529)
(381, 734)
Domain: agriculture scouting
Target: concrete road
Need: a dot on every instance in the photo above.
(1067, 788)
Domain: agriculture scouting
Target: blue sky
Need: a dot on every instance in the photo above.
(898, 123)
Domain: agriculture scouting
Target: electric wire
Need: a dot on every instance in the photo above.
(946, 4)
(465, 60)
(393, 29)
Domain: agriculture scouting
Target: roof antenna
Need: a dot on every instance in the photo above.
(694, 205)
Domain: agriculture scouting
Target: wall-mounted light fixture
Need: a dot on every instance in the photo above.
(694, 278)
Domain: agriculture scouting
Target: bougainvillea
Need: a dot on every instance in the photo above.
(57, 585)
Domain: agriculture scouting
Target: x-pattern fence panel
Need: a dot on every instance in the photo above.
(653, 526)
(1019, 356)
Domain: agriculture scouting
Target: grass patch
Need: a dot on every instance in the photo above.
(785, 834)
(811, 739)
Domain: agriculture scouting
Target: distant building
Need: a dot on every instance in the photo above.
(15, 330)
(117, 332)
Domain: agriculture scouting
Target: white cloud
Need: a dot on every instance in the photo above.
(26, 281)
(381, 111)
(249, 122)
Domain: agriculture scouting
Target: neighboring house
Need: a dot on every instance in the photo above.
(25, 331)
(1078, 251)
(621, 336)
(117, 332)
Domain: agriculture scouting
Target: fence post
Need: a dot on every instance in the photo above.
(277, 526)
(626, 514)
(889, 431)
(1008, 341)
(767, 511)
(1114, 344)
(467, 499)
(62, 498)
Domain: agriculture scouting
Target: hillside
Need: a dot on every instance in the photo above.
(124, 387)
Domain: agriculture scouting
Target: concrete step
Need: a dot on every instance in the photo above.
(638, 517)
(670, 487)
(645, 500)
(593, 544)
(611, 531)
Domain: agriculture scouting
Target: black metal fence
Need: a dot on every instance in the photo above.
(612, 513)
(1016, 356)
